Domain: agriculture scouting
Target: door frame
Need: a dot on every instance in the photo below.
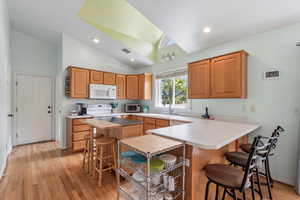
(14, 104)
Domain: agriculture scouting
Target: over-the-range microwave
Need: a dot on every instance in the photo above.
(99, 91)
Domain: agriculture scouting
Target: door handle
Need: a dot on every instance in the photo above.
(49, 109)
(10, 115)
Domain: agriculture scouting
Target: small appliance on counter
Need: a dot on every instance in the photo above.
(98, 109)
(132, 108)
(77, 109)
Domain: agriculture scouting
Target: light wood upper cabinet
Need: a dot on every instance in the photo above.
(199, 79)
(228, 76)
(132, 86)
(79, 82)
(96, 77)
(109, 78)
(145, 86)
(220, 77)
(121, 86)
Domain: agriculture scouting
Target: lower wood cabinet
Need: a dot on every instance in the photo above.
(76, 132)
(132, 131)
(152, 123)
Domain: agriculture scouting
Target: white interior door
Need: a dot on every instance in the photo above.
(34, 109)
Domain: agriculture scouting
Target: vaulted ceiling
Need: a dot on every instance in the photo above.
(183, 21)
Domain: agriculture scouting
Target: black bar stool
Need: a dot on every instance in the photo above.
(240, 159)
(232, 178)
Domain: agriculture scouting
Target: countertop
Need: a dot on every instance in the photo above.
(206, 134)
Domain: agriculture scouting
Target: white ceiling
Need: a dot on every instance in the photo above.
(46, 20)
(182, 20)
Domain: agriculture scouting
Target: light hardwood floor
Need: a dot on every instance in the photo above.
(38, 172)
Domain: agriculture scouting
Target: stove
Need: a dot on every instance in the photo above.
(117, 120)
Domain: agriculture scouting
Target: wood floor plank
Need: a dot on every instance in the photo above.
(39, 172)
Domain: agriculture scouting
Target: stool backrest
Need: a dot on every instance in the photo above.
(276, 134)
(259, 150)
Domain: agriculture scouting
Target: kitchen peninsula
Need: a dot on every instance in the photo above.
(207, 141)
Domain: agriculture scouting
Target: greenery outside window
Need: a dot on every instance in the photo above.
(172, 90)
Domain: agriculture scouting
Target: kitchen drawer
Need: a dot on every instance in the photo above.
(139, 118)
(80, 135)
(162, 123)
(148, 120)
(79, 128)
(148, 127)
(79, 145)
(79, 121)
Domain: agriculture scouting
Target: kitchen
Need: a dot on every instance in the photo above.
(210, 101)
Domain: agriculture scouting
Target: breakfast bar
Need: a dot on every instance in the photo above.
(207, 142)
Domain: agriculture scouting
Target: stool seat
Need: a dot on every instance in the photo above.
(225, 175)
(246, 147)
(105, 141)
(237, 158)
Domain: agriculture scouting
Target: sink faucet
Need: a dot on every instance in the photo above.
(171, 110)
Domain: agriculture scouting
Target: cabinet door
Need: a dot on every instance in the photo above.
(226, 76)
(109, 78)
(199, 79)
(145, 86)
(132, 131)
(161, 123)
(79, 82)
(148, 127)
(96, 77)
(132, 87)
(121, 86)
(141, 86)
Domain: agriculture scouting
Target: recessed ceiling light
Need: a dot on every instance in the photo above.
(206, 29)
(132, 59)
(96, 40)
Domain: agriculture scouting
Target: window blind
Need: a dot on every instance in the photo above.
(171, 74)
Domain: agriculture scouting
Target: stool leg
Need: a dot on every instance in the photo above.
(234, 194)
(244, 195)
(269, 171)
(224, 193)
(268, 180)
(207, 190)
(84, 158)
(113, 150)
(217, 192)
(252, 188)
(258, 183)
(100, 167)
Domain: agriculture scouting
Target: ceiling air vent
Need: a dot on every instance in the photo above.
(126, 50)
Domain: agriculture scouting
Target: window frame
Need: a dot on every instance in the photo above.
(158, 103)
